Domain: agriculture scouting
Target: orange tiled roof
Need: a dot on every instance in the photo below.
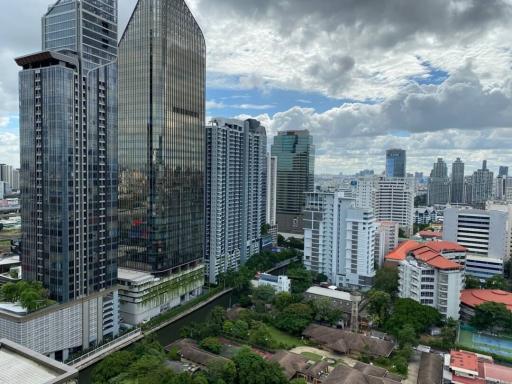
(495, 372)
(426, 252)
(474, 297)
(430, 234)
(445, 246)
(464, 360)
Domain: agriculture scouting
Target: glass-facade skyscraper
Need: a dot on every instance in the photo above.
(395, 163)
(457, 182)
(161, 139)
(439, 184)
(295, 155)
(68, 129)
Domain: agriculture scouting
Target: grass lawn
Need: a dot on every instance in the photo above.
(287, 341)
(312, 356)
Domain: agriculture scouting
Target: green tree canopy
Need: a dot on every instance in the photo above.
(253, 369)
(386, 279)
(295, 318)
(407, 311)
(497, 282)
(492, 316)
(471, 282)
(379, 305)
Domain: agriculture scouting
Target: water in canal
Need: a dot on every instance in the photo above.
(171, 333)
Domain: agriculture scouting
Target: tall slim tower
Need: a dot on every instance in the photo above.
(395, 163)
(482, 186)
(457, 182)
(161, 139)
(235, 193)
(68, 126)
(295, 154)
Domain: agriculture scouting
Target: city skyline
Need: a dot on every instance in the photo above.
(409, 98)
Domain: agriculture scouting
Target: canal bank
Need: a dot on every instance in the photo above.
(171, 332)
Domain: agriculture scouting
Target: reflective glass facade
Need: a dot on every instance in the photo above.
(161, 138)
(295, 154)
(395, 163)
(68, 129)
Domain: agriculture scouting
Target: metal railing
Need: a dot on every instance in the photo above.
(135, 332)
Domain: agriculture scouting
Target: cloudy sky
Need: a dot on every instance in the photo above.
(431, 76)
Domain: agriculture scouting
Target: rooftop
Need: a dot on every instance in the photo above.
(474, 297)
(20, 365)
(134, 276)
(327, 292)
(430, 234)
(497, 373)
(462, 360)
(430, 253)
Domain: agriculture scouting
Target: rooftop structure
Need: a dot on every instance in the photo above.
(463, 367)
(20, 365)
(360, 374)
(431, 369)
(475, 297)
(279, 283)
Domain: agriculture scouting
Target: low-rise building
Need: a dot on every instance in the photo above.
(60, 330)
(340, 299)
(143, 296)
(425, 215)
(463, 367)
(20, 365)
(280, 283)
(471, 298)
(432, 274)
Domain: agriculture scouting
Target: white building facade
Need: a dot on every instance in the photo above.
(391, 198)
(436, 282)
(339, 239)
(280, 283)
(386, 239)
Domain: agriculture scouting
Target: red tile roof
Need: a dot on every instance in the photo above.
(474, 297)
(464, 360)
(466, 380)
(496, 373)
(430, 253)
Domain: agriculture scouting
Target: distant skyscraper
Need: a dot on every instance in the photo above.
(457, 182)
(339, 239)
(439, 184)
(395, 163)
(162, 57)
(6, 174)
(295, 154)
(482, 186)
(503, 171)
(271, 189)
(235, 193)
(68, 126)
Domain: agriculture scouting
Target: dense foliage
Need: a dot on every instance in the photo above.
(492, 317)
(30, 294)
(386, 279)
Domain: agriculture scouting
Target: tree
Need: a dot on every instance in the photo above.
(407, 335)
(497, 282)
(260, 335)
(240, 329)
(264, 293)
(407, 311)
(253, 369)
(211, 344)
(379, 305)
(295, 318)
(471, 283)
(492, 316)
(386, 279)
(282, 300)
(222, 372)
(112, 366)
(325, 311)
(301, 278)
(281, 241)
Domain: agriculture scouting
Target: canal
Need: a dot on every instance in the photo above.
(171, 333)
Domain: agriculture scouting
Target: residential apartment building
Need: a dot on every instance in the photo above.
(457, 182)
(162, 75)
(425, 215)
(391, 198)
(295, 155)
(386, 239)
(339, 239)
(396, 163)
(439, 184)
(236, 190)
(431, 273)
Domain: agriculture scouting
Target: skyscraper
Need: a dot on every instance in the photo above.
(439, 184)
(395, 163)
(295, 155)
(162, 151)
(457, 182)
(481, 186)
(503, 171)
(235, 193)
(271, 189)
(68, 126)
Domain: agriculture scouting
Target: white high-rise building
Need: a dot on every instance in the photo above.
(271, 196)
(339, 239)
(431, 279)
(391, 198)
(236, 179)
(386, 239)
(486, 235)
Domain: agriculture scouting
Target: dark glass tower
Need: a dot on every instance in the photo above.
(457, 182)
(68, 127)
(395, 163)
(295, 154)
(161, 138)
